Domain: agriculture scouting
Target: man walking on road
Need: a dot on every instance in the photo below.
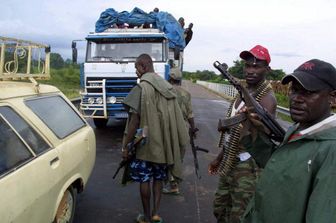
(237, 183)
(153, 104)
(184, 101)
(298, 183)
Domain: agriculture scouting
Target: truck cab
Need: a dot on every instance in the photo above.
(108, 73)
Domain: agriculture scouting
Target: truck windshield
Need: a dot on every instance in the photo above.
(124, 52)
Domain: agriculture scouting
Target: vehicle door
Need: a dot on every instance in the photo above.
(29, 171)
(74, 154)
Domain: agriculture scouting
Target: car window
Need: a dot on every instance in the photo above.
(31, 137)
(57, 114)
(13, 151)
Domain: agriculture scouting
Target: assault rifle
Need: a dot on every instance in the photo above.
(194, 150)
(140, 137)
(277, 133)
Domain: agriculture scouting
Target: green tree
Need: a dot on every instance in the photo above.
(68, 61)
(56, 61)
(237, 70)
(199, 75)
(276, 74)
(205, 75)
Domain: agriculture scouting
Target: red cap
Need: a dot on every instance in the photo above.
(258, 52)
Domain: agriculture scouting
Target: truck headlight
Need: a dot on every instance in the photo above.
(91, 100)
(112, 100)
(99, 100)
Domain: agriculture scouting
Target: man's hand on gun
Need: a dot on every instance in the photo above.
(213, 167)
(128, 150)
(254, 119)
(125, 155)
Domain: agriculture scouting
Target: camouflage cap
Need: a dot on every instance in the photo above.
(175, 73)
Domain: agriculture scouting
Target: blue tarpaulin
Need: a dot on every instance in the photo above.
(164, 21)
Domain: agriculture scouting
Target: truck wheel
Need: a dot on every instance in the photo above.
(66, 209)
(100, 122)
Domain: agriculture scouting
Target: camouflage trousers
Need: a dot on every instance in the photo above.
(235, 191)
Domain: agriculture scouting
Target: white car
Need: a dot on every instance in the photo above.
(47, 153)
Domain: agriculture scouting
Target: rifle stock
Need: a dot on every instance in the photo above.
(277, 133)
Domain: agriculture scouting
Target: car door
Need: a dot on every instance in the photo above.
(75, 155)
(30, 171)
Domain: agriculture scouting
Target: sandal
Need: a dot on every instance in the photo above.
(171, 191)
(141, 219)
(156, 219)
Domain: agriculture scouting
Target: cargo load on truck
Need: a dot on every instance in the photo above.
(163, 21)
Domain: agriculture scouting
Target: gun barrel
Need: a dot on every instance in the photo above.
(220, 66)
(121, 165)
(201, 149)
(116, 173)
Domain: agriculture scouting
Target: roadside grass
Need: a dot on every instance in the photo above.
(284, 117)
(282, 100)
(66, 79)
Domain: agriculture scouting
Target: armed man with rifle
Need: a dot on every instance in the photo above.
(298, 183)
(237, 169)
(153, 104)
(184, 100)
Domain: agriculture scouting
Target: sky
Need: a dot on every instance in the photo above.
(294, 31)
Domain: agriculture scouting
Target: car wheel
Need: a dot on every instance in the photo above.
(100, 122)
(66, 209)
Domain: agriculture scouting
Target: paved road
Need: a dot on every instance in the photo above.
(106, 201)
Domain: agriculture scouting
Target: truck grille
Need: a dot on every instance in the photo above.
(118, 87)
(95, 100)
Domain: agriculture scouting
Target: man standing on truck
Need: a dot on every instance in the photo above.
(181, 21)
(188, 33)
(184, 100)
(153, 104)
(237, 185)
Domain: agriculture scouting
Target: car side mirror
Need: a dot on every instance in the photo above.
(74, 52)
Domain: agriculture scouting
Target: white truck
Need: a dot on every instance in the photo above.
(108, 73)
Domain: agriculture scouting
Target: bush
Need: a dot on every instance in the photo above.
(66, 79)
(282, 100)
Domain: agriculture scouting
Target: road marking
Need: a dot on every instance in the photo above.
(198, 209)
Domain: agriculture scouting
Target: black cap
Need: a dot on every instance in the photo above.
(314, 75)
